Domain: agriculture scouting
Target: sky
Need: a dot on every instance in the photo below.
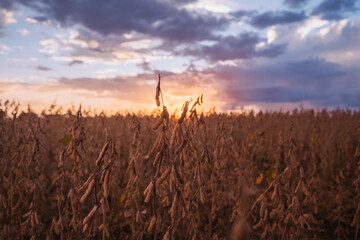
(241, 55)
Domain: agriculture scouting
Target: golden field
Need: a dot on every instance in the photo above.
(279, 175)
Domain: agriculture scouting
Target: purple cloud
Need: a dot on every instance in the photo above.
(75, 62)
(276, 94)
(334, 9)
(6, 4)
(42, 68)
(153, 18)
(271, 18)
(241, 47)
(294, 3)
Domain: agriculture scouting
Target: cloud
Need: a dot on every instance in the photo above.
(275, 57)
(139, 89)
(277, 94)
(144, 65)
(32, 59)
(351, 99)
(126, 31)
(180, 2)
(120, 92)
(4, 49)
(87, 46)
(334, 9)
(312, 73)
(94, 84)
(271, 18)
(50, 46)
(309, 73)
(6, 17)
(317, 82)
(6, 4)
(75, 46)
(295, 3)
(311, 24)
(334, 41)
(24, 32)
(241, 13)
(42, 68)
(243, 46)
(38, 20)
(153, 18)
(75, 62)
(209, 5)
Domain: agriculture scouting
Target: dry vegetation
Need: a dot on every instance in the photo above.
(274, 175)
